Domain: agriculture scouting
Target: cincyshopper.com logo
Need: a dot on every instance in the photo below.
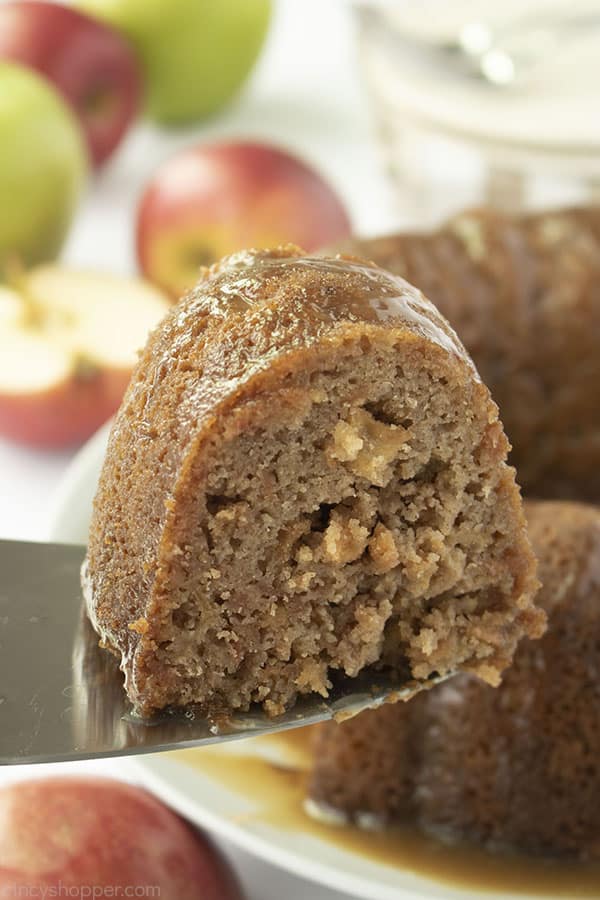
(77, 892)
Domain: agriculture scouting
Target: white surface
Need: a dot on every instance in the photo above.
(305, 95)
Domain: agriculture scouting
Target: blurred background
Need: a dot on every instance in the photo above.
(143, 139)
(136, 142)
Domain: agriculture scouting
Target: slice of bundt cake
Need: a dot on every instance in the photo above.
(306, 476)
(523, 292)
(516, 767)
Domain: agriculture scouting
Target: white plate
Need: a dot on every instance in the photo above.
(223, 809)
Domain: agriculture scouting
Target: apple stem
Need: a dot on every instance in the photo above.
(16, 278)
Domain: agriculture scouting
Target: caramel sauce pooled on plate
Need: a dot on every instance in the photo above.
(279, 791)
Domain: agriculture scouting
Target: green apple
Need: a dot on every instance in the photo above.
(43, 163)
(195, 53)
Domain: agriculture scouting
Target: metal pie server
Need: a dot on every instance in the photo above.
(62, 696)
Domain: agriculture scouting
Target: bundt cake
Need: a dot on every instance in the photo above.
(515, 767)
(523, 293)
(306, 477)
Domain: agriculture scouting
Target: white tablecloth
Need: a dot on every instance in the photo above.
(306, 95)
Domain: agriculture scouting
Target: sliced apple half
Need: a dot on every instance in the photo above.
(68, 343)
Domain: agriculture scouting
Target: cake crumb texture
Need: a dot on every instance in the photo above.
(514, 768)
(306, 477)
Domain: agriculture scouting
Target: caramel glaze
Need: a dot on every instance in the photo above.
(349, 289)
(278, 792)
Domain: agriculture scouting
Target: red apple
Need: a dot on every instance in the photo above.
(95, 837)
(92, 66)
(208, 201)
(68, 343)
